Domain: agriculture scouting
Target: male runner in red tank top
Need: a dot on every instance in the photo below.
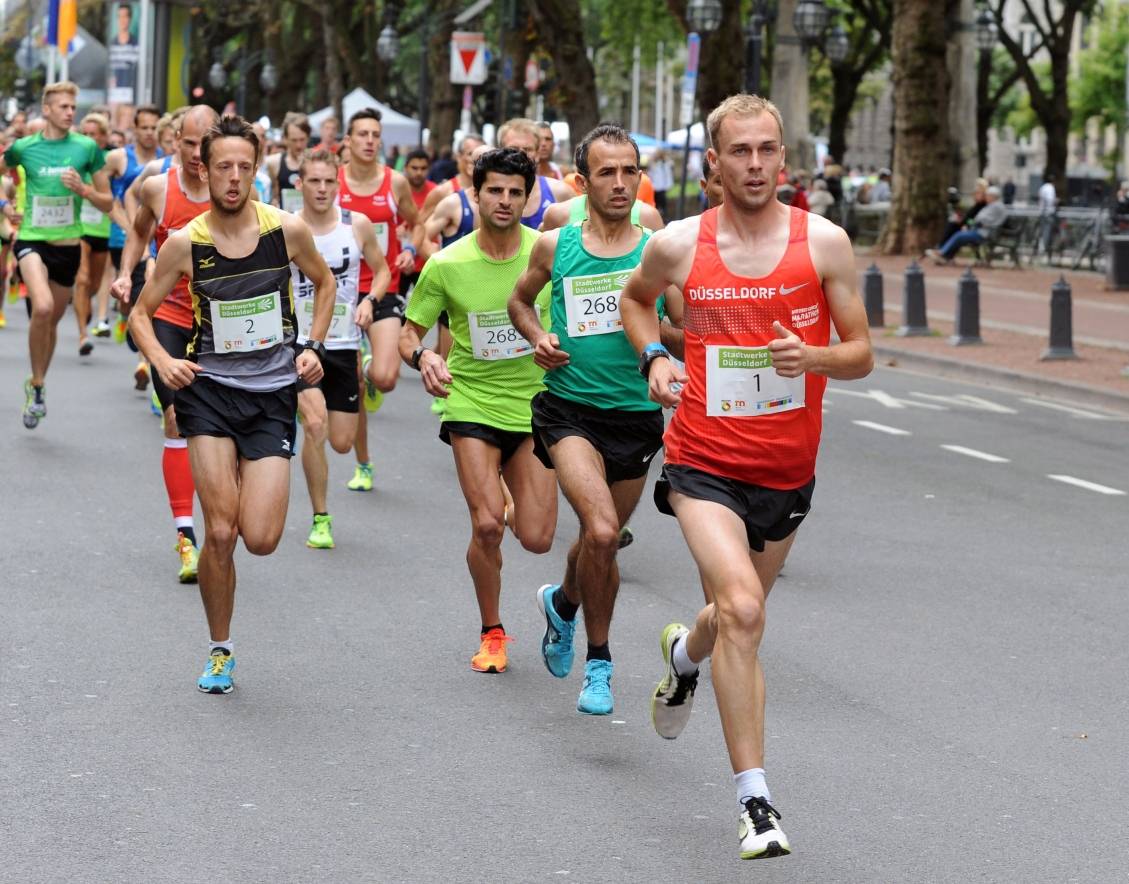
(169, 201)
(368, 186)
(762, 282)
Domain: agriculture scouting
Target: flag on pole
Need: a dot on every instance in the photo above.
(62, 23)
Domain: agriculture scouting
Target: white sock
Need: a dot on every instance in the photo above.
(751, 784)
(680, 657)
(228, 646)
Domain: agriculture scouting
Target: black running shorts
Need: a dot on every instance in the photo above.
(96, 243)
(175, 340)
(61, 261)
(768, 513)
(261, 424)
(339, 383)
(626, 440)
(506, 441)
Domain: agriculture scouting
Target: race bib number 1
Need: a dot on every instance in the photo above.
(741, 382)
(592, 303)
(492, 337)
(52, 211)
(248, 325)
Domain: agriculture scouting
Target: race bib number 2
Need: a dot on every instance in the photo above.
(248, 325)
(493, 337)
(741, 382)
(52, 211)
(592, 303)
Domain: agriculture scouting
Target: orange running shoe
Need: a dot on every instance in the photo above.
(491, 656)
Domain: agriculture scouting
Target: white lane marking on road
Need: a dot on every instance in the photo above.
(886, 399)
(1089, 486)
(969, 401)
(1069, 409)
(882, 428)
(980, 455)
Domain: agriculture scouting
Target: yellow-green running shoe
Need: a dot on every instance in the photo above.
(438, 406)
(321, 534)
(189, 559)
(362, 478)
(374, 398)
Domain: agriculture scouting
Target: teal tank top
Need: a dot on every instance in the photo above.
(578, 210)
(603, 369)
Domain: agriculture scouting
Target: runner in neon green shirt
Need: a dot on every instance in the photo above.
(488, 382)
(54, 163)
(95, 238)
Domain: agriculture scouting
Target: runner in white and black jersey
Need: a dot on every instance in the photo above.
(329, 409)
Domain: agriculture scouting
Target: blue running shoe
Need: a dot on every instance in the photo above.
(217, 673)
(596, 695)
(556, 644)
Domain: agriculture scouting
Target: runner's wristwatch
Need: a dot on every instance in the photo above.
(650, 353)
(318, 347)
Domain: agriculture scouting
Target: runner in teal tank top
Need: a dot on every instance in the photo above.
(602, 371)
(594, 423)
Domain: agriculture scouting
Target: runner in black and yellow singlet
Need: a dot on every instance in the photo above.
(236, 390)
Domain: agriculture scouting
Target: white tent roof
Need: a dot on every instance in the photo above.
(677, 138)
(396, 129)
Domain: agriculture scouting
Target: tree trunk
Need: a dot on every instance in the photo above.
(921, 160)
(445, 98)
(575, 76)
(1057, 121)
(334, 84)
(844, 90)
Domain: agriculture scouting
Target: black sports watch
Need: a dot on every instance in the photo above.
(318, 347)
(650, 353)
(417, 354)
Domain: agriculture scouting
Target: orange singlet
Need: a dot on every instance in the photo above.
(179, 210)
(738, 418)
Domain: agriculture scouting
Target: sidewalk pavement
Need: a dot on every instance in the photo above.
(1015, 326)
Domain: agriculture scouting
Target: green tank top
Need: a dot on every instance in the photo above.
(94, 223)
(603, 368)
(578, 210)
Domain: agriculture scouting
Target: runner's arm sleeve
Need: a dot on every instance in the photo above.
(429, 298)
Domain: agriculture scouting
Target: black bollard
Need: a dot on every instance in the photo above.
(967, 328)
(872, 295)
(914, 321)
(1062, 323)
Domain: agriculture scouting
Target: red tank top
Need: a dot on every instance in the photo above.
(179, 210)
(380, 208)
(738, 418)
(419, 197)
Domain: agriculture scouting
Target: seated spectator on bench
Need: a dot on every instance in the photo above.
(988, 219)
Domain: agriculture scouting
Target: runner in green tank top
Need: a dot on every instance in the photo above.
(488, 381)
(576, 209)
(594, 423)
(95, 238)
(55, 163)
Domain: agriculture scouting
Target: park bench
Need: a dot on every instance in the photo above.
(1004, 241)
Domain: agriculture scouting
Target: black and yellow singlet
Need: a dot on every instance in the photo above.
(243, 308)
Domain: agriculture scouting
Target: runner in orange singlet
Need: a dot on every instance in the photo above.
(763, 283)
(170, 201)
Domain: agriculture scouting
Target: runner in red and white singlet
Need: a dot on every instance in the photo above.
(369, 187)
(169, 202)
(762, 285)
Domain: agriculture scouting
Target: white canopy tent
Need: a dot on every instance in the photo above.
(396, 129)
(677, 138)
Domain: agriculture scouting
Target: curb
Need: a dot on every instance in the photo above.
(1031, 384)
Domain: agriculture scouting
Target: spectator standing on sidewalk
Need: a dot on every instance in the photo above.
(1048, 205)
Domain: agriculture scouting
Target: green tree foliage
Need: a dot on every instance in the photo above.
(1098, 88)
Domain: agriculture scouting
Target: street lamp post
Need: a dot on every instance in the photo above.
(268, 76)
(703, 16)
(764, 13)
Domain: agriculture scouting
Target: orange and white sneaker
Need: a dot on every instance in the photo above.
(491, 656)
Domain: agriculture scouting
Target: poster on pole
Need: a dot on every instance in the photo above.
(468, 58)
(125, 52)
(690, 81)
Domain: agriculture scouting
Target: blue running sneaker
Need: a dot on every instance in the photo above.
(217, 673)
(596, 695)
(556, 644)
